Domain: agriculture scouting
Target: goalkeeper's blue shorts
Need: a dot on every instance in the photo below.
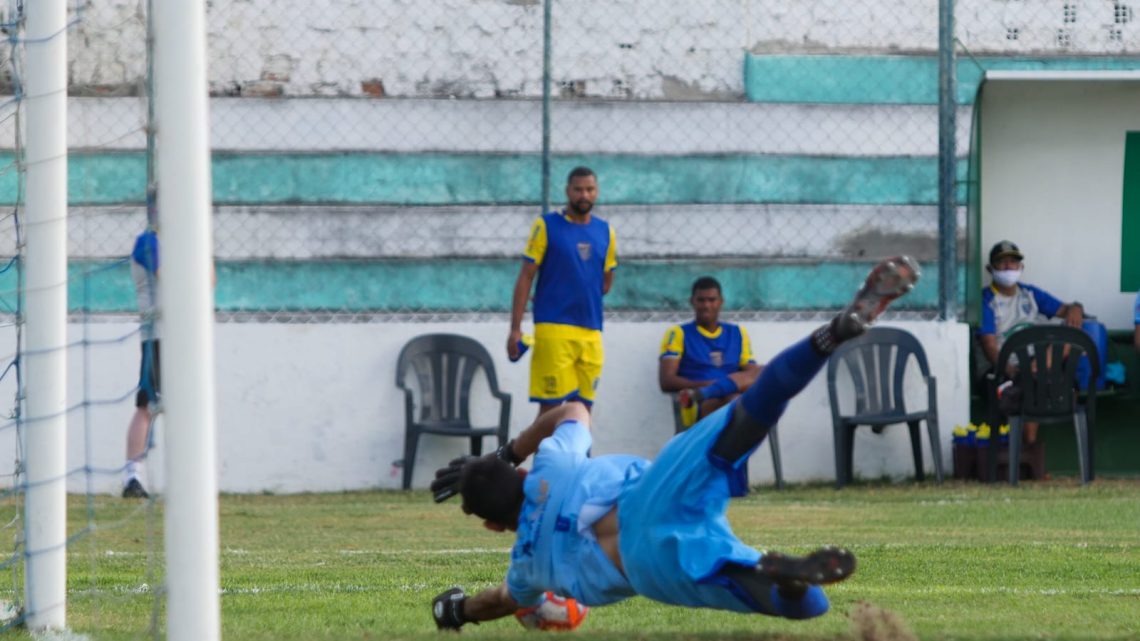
(675, 538)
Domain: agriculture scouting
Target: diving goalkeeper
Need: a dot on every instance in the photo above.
(607, 528)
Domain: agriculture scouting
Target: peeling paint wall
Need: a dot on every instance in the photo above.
(641, 49)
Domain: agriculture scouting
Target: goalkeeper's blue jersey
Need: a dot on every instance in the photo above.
(674, 537)
(566, 493)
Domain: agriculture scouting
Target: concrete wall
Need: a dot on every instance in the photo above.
(251, 125)
(315, 407)
(636, 48)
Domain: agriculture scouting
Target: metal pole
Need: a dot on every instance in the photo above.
(45, 583)
(188, 395)
(151, 190)
(547, 19)
(947, 164)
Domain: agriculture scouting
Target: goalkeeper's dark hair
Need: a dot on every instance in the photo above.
(492, 489)
(581, 171)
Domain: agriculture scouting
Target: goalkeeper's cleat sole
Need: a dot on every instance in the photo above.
(825, 565)
(887, 281)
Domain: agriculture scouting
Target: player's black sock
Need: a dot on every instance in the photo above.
(753, 584)
(740, 437)
(762, 404)
(783, 377)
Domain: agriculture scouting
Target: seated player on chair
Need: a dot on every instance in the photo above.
(707, 362)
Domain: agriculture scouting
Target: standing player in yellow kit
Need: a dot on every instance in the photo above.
(573, 253)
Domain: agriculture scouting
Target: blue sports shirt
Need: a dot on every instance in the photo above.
(144, 273)
(1003, 315)
(572, 260)
(566, 493)
(707, 356)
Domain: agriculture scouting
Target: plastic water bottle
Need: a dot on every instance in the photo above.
(524, 344)
(960, 434)
(982, 439)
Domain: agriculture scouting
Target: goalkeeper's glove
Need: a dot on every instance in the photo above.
(446, 483)
(447, 609)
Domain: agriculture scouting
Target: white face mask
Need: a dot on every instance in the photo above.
(1006, 277)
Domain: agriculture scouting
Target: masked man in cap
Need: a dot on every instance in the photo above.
(1009, 305)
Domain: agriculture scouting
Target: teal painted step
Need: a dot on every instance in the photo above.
(894, 80)
(464, 285)
(458, 179)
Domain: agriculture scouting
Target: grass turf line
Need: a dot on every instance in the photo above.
(959, 561)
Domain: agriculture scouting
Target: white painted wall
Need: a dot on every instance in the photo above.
(315, 407)
(1052, 161)
(322, 232)
(515, 126)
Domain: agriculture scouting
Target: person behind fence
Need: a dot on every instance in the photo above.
(602, 529)
(706, 362)
(1009, 305)
(573, 253)
(144, 264)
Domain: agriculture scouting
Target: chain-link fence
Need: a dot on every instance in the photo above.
(385, 157)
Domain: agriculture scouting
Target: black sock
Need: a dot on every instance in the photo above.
(740, 436)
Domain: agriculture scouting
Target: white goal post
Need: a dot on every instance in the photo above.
(45, 293)
(190, 426)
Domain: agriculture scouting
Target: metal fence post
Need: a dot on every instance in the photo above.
(947, 164)
(547, 11)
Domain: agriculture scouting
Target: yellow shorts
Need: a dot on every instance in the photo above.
(565, 364)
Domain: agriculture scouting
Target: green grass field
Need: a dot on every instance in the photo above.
(1047, 560)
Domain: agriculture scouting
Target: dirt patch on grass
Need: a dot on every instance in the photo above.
(872, 623)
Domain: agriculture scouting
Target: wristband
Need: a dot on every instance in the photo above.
(507, 453)
(719, 388)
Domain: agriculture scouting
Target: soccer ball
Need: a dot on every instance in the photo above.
(554, 613)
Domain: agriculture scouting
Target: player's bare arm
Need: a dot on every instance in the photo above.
(1072, 313)
(989, 347)
(518, 305)
(607, 282)
(446, 483)
(492, 603)
(746, 376)
(453, 609)
(670, 381)
(526, 443)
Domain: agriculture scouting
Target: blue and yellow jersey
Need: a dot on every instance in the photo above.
(572, 262)
(705, 355)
